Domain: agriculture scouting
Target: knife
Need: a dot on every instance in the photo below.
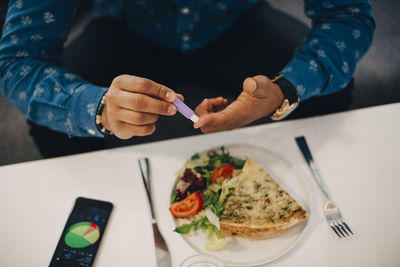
(162, 254)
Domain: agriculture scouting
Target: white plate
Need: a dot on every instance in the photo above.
(243, 252)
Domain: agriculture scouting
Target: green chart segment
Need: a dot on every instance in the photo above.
(82, 234)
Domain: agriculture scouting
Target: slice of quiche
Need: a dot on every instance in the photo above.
(258, 207)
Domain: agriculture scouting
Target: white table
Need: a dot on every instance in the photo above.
(358, 153)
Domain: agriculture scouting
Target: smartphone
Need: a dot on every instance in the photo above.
(82, 233)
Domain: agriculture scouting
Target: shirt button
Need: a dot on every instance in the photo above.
(185, 37)
(91, 131)
(185, 10)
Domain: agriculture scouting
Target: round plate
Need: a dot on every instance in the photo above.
(243, 252)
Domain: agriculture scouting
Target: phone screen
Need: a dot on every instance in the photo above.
(82, 234)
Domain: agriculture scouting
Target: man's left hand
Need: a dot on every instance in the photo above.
(259, 98)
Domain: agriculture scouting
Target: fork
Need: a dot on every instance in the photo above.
(331, 210)
(162, 252)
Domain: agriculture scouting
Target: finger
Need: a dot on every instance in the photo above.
(257, 86)
(143, 103)
(233, 116)
(180, 97)
(212, 122)
(204, 119)
(125, 130)
(134, 117)
(209, 104)
(145, 86)
(213, 119)
(215, 102)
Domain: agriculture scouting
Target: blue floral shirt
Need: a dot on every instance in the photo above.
(35, 30)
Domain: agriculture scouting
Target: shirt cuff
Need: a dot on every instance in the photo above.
(82, 112)
(306, 77)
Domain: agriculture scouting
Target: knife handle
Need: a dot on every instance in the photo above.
(302, 143)
(144, 166)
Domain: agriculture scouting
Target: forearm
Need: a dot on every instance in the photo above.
(30, 78)
(340, 36)
(51, 96)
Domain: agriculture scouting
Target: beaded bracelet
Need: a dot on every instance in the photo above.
(98, 117)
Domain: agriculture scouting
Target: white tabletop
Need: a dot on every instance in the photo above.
(358, 153)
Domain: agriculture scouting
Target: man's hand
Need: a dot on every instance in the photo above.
(133, 105)
(259, 98)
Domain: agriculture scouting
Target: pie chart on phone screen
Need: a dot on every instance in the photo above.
(82, 234)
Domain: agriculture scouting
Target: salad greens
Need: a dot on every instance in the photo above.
(201, 223)
(214, 195)
(215, 159)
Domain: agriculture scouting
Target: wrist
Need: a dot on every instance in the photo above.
(278, 96)
(290, 99)
(101, 117)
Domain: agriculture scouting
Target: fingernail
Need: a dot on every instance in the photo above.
(251, 84)
(171, 109)
(169, 95)
(254, 85)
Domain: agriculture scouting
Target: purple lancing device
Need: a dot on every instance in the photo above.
(185, 110)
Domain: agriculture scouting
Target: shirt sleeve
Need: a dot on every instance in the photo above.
(341, 33)
(30, 77)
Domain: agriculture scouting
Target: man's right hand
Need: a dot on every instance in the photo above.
(133, 105)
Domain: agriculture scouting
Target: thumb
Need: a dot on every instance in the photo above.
(257, 86)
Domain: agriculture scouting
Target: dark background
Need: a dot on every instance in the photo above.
(376, 81)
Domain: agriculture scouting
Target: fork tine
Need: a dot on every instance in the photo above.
(341, 227)
(334, 229)
(338, 228)
(348, 228)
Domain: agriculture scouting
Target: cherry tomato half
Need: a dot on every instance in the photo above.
(225, 171)
(188, 206)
